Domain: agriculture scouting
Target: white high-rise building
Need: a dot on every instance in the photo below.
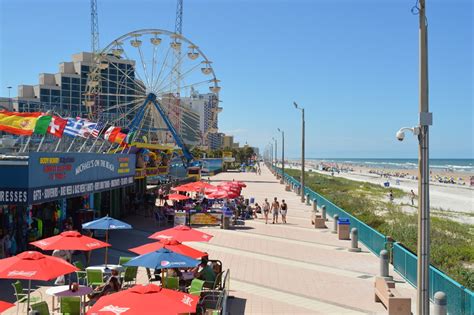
(206, 105)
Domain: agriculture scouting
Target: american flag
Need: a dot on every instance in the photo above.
(96, 131)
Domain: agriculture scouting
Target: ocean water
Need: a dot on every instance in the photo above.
(459, 165)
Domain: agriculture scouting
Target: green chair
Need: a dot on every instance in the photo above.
(21, 294)
(196, 287)
(94, 277)
(81, 273)
(171, 283)
(123, 260)
(130, 275)
(41, 308)
(70, 305)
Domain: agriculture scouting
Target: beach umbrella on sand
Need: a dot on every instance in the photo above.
(170, 244)
(70, 240)
(5, 305)
(177, 197)
(33, 265)
(182, 233)
(106, 223)
(142, 299)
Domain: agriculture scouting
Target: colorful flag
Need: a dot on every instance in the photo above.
(73, 126)
(120, 138)
(111, 133)
(18, 123)
(129, 137)
(56, 126)
(42, 124)
(98, 129)
(87, 128)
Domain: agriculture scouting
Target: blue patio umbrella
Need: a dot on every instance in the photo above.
(106, 223)
(163, 259)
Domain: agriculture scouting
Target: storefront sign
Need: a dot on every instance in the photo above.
(179, 218)
(227, 156)
(50, 176)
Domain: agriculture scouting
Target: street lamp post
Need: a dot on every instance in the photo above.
(423, 304)
(276, 151)
(9, 98)
(422, 132)
(282, 154)
(302, 149)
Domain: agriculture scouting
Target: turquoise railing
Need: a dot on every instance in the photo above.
(460, 299)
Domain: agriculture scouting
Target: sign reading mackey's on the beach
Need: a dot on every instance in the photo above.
(49, 176)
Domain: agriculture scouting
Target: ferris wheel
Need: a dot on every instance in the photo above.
(144, 81)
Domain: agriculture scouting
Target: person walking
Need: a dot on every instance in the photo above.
(266, 209)
(275, 209)
(412, 197)
(283, 211)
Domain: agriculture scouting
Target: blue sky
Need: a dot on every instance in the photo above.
(353, 65)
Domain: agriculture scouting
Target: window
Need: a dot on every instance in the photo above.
(75, 94)
(44, 92)
(75, 80)
(44, 98)
(75, 101)
(65, 80)
(65, 100)
(55, 99)
(75, 87)
(66, 86)
(55, 92)
(84, 68)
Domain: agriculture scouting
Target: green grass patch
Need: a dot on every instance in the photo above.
(451, 242)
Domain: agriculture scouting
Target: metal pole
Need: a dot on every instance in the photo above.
(423, 301)
(283, 156)
(302, 154)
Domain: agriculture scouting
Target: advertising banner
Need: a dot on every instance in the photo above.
(211, 166)
(227, 156)
(51, 176)
(206, 218)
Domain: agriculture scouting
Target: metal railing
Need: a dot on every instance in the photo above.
(460, 299)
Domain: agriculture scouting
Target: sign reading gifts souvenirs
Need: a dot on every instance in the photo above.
(50, 176)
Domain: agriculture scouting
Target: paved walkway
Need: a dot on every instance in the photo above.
(277, 269)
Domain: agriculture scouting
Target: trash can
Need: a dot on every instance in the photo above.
(343, 228)
(226, 218)
(252, 200)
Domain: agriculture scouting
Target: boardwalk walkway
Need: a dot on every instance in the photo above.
(278, 269)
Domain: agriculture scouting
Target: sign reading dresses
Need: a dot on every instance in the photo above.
(51, 176)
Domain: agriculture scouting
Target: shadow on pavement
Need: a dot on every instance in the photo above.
(236, 305)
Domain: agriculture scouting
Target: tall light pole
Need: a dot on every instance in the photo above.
(276, 151)
(282, 154)
(422, 132)
(302, 150)
(423, 304)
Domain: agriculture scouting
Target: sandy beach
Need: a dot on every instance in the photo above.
(453, 201)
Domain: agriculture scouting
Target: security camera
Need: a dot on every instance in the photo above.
(400, 135)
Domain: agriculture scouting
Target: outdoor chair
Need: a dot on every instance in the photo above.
(130, 276)
(171, 283)
(41, 307)
(21, 295)
(81, 273)
(94, 277)
(124, 259)
(217, 282)
(151, 276)
(70, 305)
(196, 287)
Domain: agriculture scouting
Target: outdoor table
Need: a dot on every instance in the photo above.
(63, 291)
(107, 269)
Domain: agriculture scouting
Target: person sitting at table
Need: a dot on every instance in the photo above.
(205, 272)
(112, 285)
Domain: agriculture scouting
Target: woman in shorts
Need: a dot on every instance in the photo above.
(266, 209)
(283, 211)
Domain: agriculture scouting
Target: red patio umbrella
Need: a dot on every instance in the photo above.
(182, 233)
(5, 305)
(33, 265)
(177, 197)
(170, 244)
(185, 188)
(223, 194)
(145, 299)
(70, 240)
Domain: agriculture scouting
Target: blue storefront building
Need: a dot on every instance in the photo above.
(41, 191)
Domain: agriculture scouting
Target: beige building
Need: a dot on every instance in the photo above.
(227, 141)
